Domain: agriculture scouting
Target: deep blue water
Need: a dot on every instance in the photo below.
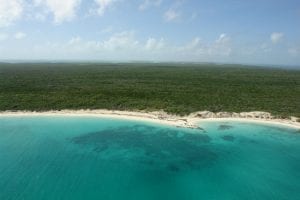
(58, 158)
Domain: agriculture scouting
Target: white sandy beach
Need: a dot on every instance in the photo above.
(191, 121)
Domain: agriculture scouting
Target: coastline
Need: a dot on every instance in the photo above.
(189, 121)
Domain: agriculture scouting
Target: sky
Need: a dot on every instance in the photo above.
(222, 31)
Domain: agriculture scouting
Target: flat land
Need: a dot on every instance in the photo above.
(175, 88)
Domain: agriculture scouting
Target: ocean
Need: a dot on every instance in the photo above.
(87, 158)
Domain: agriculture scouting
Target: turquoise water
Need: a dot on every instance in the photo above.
(74, 158)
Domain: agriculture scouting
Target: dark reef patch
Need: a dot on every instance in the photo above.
(229, 138)
(224, 127)
(173, 168)
(202, 129)
(156, 147)
(297, 131)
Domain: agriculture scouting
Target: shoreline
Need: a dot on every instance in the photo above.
(189, 121)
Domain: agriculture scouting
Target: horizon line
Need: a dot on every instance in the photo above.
(20, 61)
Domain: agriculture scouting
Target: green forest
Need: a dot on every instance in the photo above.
(175, 88)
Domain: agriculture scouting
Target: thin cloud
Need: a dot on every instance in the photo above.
(20, 35)
(172, 15)
(103, 5)
(149, 3)
(62, 10)
(276, 37)
(3, 36)
(153, 44)
(10, 11)
(295, 51)
(126, 45)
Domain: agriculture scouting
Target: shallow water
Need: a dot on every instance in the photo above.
(93, 158)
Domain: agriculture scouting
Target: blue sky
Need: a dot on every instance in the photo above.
(231, 31)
